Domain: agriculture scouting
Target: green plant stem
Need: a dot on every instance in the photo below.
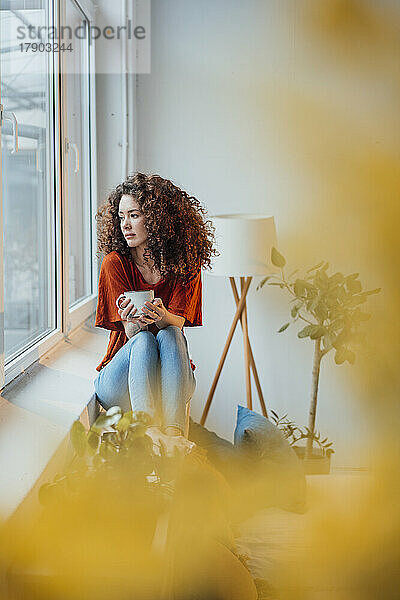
(314, 394)
(306, 320)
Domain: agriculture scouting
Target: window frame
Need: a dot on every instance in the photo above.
(73, 317)
(66, 319)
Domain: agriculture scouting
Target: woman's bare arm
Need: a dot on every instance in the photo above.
(170, 319)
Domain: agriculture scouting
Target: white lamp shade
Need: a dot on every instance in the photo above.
(244, 242)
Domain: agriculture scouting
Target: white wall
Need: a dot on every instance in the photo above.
(261, 106)
(266, 106)
(110, 105)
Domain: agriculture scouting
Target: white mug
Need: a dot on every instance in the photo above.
(138, 299)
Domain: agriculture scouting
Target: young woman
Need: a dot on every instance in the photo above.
(154, 237)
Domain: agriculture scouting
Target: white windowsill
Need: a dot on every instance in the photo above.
(38, 408)
(77, 315)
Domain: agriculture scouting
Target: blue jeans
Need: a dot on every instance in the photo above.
(151, 374)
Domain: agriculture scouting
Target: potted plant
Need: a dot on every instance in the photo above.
(144, 521)
(294, 434)
(329, 308)
(101, 526)
(112, 441)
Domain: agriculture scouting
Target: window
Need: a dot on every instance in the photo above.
(28, 198)
(78, 159)
(47, 271)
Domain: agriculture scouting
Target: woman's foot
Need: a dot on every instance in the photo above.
(171, 441)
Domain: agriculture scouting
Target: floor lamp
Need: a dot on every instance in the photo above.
(244, 243)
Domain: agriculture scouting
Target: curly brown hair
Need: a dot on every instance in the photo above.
(180, 241)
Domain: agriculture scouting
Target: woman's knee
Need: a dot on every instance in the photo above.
(144, 336)
(172, 333)
(172, 344)
(143, 350)
(109, 395)
(143, 340)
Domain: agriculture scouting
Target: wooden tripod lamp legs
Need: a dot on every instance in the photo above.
(241, 313)
(225, 350)
(246, 347)
(251, 357)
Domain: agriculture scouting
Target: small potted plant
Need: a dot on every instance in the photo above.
(295, 434)
(116, 439)
(329, 309)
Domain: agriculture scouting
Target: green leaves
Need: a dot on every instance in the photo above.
(328, 341)
(370, 292)
(321, 311)
(330, 307)
(328, 304)
(305, 332)
(138, 429)
(263, 282)
(295, 310)
(352, 276)
(353, 286)
(317, 332)
(312, 331)
(321, 279)
(115, 449)
(123, 424)
(294, 434)
(93, 440)
(277, 259)
(109, 432)
(299, 287)
(342, 354)
(335, 279)
(105, 421)
(315, 267)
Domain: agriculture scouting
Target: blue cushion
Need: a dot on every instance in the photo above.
(257, 435)
(276, 472)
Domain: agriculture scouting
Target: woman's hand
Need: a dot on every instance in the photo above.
(127, 311)
(153, 312)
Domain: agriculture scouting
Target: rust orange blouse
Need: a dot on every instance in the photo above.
(119, 274)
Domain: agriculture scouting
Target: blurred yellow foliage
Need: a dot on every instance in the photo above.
(348, 140)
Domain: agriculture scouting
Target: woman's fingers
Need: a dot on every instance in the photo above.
(121, 301)
(158, 310)
(154, 312)
(129, 311)
(148, 319)
(122, 305)
(151, 311)
(121, 309)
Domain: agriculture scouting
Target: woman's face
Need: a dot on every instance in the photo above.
(132, 221)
